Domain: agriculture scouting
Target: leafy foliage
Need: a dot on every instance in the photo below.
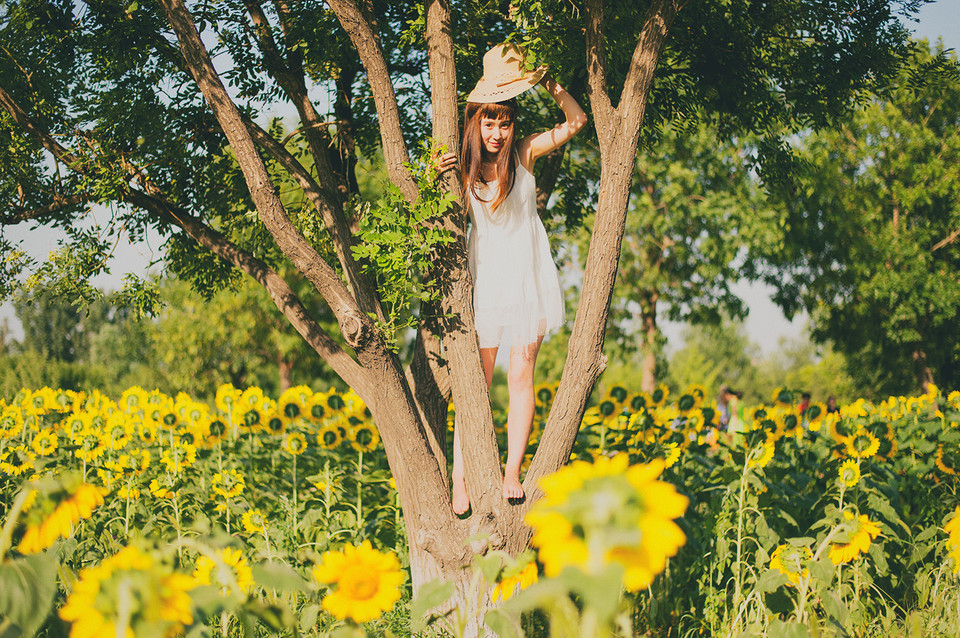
(397, 240)
(870, 248)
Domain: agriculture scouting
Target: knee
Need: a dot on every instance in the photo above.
(520, 380)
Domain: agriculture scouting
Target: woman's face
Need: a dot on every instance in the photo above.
(494, 133)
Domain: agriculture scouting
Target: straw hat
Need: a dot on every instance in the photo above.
(504, 75)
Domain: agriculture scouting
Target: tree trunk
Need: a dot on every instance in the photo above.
(284, 368)
(650, 331)
(923, 371)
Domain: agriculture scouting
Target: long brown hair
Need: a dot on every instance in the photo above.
(472, 152)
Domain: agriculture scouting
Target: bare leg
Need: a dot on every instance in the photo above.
(520, 415)
(461, 500)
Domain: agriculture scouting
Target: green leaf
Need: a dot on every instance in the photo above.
(503, 624)
(771, 580)
(783, 629)
(27, 589)
(430, 596)
(835, 608)
(308, 618)
(279, 576)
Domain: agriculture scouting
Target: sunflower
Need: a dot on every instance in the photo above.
(943, 467)
(254, 521)
(859, 532)
(671, 454)
(334, 401)
(295, 443)
(179, 456)
(228, 569)
(850, 472)
(293, 403)
(862, 444)
(228, 484)
(275, 422)
(161, 490)
(790, 560)
(364, 437)
(515, 580)
(317, 408)
(782, 395)
(157, 599)
(77, 505)
(251, 397)
(660, 394)
(44, 442)
(618, 393)
(952, 528)
(594, 514)
(814, 415)
(133, 400)
(329, 437)
(544, 394)
(17, 461)
(252, 417)
(227, 398)
(367, 582)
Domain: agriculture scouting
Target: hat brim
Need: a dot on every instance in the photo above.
(486, 92)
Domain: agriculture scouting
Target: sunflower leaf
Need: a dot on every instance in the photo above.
(430, 596)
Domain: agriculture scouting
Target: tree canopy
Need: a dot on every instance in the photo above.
(871, 245)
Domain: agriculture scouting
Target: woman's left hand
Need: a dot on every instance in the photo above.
(446, 161)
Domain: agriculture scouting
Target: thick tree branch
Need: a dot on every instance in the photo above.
(367, 44)
(474, 416)
(597, 66)
(290, 77)
(949, 239)
(618, 130)
(278, 289)
(357, 328)
(59, 203)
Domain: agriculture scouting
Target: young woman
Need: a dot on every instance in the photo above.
(517, 295)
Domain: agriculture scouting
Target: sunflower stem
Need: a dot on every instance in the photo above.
(359, 489)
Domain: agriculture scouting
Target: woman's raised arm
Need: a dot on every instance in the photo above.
(540, 144)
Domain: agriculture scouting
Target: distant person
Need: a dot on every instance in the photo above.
(804, 403)
(731, 411)
(832, 404)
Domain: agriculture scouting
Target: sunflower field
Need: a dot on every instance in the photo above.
(156, 515)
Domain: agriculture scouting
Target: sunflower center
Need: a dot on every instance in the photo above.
(359, 585)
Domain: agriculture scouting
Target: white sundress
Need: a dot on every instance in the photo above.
(516, 284)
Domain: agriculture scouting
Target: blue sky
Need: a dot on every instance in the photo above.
(766, 325)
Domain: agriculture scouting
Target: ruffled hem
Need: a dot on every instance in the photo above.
(516, 325)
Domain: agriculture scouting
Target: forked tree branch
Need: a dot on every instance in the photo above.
(290, 77)
(280, 292)
(356, 327)
(367, 43)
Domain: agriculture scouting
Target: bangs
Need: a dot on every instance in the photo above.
(498, 110)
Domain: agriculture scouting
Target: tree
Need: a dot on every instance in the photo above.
(872, 248)
(696, 218)
(99, 104)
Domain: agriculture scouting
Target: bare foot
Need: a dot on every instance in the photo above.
(511, 486)
(461, 500)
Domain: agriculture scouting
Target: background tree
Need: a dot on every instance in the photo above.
(696, 219)
(871, 247)
(99, 104)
